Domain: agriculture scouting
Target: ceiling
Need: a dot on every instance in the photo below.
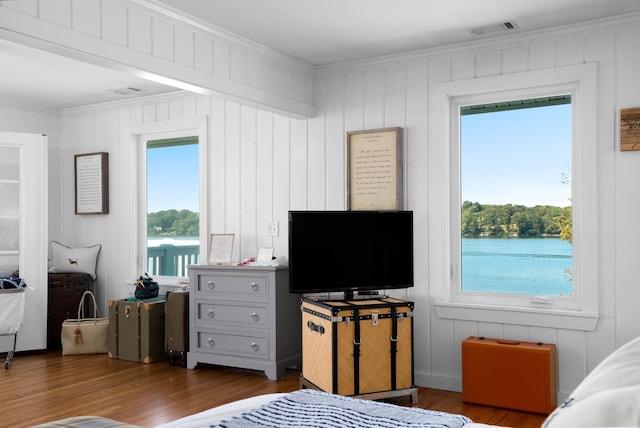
(328, 31)
(317, 32)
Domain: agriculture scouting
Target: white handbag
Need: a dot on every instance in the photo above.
(85, 335)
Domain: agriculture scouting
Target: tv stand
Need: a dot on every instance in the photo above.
(361, 347)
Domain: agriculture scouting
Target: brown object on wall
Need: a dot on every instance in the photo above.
(65, 291)
(630, 129)
(510, 374)
(358, 347)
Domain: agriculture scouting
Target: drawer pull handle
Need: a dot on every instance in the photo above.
(211, 313)
(254, 287)
(211, 285)
(255, 317)
(255, 347)
(211, 343)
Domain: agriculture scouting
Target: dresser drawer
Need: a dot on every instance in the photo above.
(237, 344)
(209, 312)
(232, 286)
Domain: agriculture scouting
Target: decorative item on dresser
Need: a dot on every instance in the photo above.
(65, 292)
(243, 317)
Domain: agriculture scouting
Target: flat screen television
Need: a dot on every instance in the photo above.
(350, 251)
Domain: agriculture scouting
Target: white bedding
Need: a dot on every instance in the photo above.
(215, 416)
(608, 397)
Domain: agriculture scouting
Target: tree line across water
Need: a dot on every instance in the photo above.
(173, 223)
(506, 220)
(497, 221)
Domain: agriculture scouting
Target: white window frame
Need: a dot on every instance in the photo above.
(140, 135)
(581, 310)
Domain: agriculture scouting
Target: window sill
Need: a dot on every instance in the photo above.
(569, 320)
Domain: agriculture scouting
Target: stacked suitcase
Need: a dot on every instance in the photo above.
(177, 326)
(358, 347)
(150, 330)
(136, 330)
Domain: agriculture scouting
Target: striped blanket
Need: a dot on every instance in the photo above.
(310, 408)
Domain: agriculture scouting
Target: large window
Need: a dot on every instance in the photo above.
(529, 185)
(516, 215)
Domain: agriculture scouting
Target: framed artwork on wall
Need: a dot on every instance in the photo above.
(92, 183)
(374, 169)
(630, 129)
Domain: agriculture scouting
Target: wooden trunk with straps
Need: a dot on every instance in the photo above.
(358, 347)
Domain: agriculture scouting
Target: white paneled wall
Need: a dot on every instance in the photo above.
(261, 164)
(145, 37)
(396, 93)
(248, 188)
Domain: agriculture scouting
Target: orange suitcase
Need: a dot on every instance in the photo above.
(510, 374)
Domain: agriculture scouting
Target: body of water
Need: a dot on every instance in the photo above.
(537, 266)
(178, 241)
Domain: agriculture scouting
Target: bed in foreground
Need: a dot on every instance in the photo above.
(310, 408)
(301, 408)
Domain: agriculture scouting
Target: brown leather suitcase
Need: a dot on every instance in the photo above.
(357, 347)
(510, 374)
(177, 326)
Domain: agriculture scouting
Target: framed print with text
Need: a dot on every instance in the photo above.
(374, 169)
(92, 183)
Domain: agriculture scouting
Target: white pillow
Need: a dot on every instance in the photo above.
(608, 397)
(74, 260)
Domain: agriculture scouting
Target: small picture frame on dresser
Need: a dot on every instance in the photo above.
(221, 248)
(265, 255)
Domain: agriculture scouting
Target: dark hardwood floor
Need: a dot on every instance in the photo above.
(41, 387)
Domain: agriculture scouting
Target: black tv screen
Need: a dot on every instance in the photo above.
(350, 251)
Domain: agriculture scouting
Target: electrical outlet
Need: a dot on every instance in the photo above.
(272, 228)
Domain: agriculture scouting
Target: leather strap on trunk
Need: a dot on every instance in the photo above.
(356, 352)
(394, 345)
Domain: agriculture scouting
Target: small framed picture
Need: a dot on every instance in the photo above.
(221, 248)
(264, 255)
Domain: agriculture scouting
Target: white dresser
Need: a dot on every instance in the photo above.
(244, 317)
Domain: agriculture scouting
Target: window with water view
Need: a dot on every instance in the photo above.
(516, 214)
(172, 189)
